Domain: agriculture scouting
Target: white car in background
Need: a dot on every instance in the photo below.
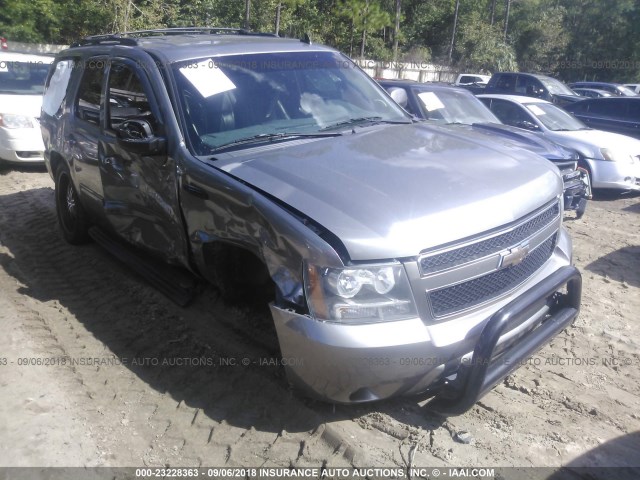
(611, 160)
(22, 78)
(633, 86)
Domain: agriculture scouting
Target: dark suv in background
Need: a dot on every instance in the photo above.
(531, 85)
(614, 114)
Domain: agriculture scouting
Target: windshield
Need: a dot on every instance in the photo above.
(556, 87)
(268, 96)
(452, 106)
(555, 118)
(22, 77)
(625, 91)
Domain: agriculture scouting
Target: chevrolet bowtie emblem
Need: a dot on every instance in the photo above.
(514, 256)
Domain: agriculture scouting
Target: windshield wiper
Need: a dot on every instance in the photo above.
(270, 137)
(356, 121)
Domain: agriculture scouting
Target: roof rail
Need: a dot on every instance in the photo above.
(130, 38)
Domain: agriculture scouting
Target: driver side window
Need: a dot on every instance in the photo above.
(127, 99)
(510, 113)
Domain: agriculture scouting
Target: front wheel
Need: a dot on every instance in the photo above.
(71, 216)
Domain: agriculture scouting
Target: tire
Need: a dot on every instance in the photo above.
(72, 218)
(586, 178)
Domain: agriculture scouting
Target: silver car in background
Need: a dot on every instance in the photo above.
(611, 160)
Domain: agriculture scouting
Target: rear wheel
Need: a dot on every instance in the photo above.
(71, 216)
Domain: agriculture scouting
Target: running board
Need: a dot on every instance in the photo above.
(176, 283)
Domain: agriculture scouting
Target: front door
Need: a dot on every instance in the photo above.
(140, 188)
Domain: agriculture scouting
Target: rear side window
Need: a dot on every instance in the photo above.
(509, 113)
(90, 91)
(506, 83)
(57, 87)
(528, 85)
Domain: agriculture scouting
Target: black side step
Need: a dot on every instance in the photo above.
(177, 284)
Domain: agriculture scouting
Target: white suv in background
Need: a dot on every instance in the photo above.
(22, 78)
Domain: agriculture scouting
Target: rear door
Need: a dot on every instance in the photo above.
(138, 175)
(82, 134)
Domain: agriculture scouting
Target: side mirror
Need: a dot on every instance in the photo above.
(137, 135)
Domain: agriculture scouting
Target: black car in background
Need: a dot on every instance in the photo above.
(459, 108)
(614, 88)
(531, 85)
(614, 114)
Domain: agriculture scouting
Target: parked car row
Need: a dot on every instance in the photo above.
(524, 100)
(459, 110)
(610, 160)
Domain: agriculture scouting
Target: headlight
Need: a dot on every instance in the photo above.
(613, 156)
(15, 121)
(372, 293)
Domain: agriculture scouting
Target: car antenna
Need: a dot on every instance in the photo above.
(306, 39)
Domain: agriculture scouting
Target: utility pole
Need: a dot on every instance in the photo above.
(455, 27)
(506, 19)
(247, 14)
(278, 9)
(396, 31)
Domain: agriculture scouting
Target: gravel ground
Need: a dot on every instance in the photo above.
(147, 383)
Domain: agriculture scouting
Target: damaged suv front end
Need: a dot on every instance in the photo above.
(421, 248)
(406, 258)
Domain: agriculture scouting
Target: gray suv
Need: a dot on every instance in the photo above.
(397, 257)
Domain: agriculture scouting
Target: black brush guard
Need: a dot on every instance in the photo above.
(485, 370)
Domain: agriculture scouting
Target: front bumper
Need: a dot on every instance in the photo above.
(21, 145)
(575, 192)
(345, 363)
(615, 175)
(489, 366)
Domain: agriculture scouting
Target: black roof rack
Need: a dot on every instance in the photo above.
(131, 38)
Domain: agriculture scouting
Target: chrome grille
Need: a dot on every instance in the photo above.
(474, 292)
(458, 256)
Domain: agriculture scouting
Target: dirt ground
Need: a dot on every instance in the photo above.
(99, 369)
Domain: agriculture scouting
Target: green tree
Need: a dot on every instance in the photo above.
(481, 46)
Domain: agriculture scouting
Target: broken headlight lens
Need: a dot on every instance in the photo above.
(367, 294)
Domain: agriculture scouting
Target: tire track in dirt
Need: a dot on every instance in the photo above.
(541, 415)
(89, 307)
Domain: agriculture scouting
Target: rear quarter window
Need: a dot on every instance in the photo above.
(57, 87)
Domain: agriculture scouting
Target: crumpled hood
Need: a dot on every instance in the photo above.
(589, 142)
(530, 141)
(28, 105)
(391, 191)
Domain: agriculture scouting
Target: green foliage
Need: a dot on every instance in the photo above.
(481, 46)
(572, 39)
(541, 37)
